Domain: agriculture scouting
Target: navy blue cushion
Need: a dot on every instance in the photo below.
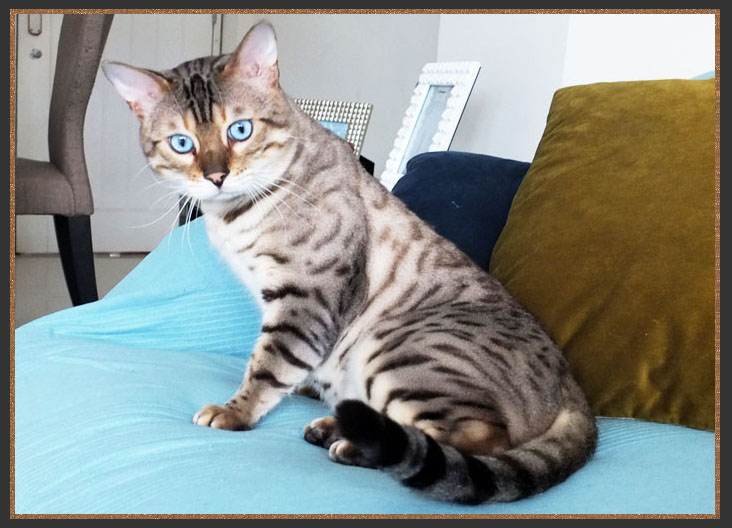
(464, 196)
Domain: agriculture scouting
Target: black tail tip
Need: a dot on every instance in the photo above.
(381, 440)
(358, 422)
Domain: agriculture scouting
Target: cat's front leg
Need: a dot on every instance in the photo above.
(283, 357)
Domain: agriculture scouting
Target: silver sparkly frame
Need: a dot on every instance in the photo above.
(460, 76)
(355, 115)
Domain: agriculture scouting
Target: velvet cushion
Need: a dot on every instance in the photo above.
(464, 196)
(610, 242)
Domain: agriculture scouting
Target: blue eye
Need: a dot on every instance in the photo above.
(181, 143)
(240, 130)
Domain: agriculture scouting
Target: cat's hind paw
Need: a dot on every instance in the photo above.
(220, 418)
(348, 453)
(322, 432)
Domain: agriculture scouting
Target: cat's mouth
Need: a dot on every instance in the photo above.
(250, 185)
(220, 195)
(223, 191)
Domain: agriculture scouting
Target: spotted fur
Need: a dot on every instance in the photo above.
(435, 373)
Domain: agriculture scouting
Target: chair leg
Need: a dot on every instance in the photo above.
(73, 234)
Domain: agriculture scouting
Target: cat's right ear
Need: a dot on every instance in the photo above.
(142, 89)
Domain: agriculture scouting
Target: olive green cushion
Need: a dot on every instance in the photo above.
(610, 242)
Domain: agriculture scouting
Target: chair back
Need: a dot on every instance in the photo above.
(80, 48)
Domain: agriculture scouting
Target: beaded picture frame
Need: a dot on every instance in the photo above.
(346, 119)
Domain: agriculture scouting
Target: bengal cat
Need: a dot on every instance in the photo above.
(435, 374)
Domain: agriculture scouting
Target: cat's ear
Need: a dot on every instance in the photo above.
(256, 56)
(142, 89)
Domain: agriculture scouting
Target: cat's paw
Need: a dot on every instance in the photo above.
(308, 391)
(345, 452)
(220, 418)
(322, 432)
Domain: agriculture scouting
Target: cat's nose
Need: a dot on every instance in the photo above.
(217, 178)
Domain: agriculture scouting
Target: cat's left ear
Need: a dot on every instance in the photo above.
(256, 56)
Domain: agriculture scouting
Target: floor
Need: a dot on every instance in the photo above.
(40, 287)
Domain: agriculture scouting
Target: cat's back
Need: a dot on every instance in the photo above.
(407, 257)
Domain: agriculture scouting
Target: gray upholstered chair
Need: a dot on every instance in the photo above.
(61, 187)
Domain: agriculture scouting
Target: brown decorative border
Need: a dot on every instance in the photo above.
(15, 12)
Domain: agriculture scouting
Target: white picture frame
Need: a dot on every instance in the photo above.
(434, 111)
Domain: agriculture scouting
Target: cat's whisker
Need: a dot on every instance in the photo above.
(291, 182)
(163, 197)
(283, 202)
(171, 188)
(193, 206)
(167, 212)
(266, 192)
(301, 198)
(254, 198)
(158, 183)
(258, 193)
(187, 212)
(139, 172)
(296, 195)
(176, 219)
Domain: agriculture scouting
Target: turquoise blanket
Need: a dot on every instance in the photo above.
(105, 393)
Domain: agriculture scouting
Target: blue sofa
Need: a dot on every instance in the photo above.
(105, 393)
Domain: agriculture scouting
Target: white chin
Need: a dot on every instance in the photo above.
(217, 196)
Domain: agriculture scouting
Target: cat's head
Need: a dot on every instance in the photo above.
(215, 127)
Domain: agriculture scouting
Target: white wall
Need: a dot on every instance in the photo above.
(521, 59)
(369, 58)
(608, 48)
(526, 58)
(374, 58)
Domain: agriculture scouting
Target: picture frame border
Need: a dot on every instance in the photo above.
(355, 114)
(461, 76)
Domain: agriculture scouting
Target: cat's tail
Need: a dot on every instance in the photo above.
(444, 473)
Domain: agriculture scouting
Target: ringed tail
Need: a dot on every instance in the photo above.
(443, 472)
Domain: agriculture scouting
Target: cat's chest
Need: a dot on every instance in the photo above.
(243, 251)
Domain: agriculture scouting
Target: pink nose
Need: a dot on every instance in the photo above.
(217, 178)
